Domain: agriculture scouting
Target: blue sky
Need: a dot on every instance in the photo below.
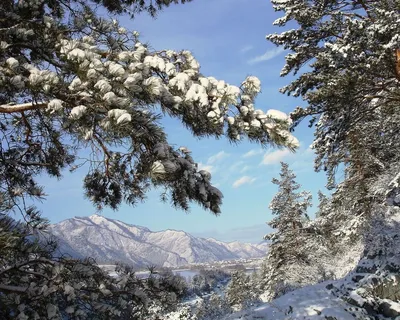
(227, 37)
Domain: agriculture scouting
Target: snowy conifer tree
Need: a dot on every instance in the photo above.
(285, 251)
(238, 292)
(351, 89)
(323, 205)
(217, 306)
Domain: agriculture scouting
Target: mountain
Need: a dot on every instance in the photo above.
(244, 250)
(109, 241)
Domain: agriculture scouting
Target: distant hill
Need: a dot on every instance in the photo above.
(109, 240)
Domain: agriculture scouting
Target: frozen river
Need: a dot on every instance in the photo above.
(185, 273)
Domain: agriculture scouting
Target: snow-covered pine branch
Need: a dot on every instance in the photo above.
(69, 75)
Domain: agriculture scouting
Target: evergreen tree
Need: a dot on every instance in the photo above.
(323, 205)
(238, 292)
(351, 87)
(217, 306)
(286, 249)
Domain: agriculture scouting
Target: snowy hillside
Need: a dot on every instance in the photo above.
(313, 302)
(109, 240)
(244, 250)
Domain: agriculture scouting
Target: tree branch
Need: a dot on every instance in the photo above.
(4, 287)
(107, 154)
(27, 263)
(7, 108)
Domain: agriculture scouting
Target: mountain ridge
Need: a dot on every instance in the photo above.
(110, 240)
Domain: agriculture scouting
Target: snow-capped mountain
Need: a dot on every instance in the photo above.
(109, 241)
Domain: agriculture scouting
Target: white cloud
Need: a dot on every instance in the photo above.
(246, 49)
(301, 161)
(270, 54)
(211, 164)
(236, 166)
(217, 157)
(304, 161)
(244, 169)
(275, 157)
(252, 153)
(243, 180)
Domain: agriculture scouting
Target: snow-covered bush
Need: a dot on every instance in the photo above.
(208, 307)
(208, 280)
(183, 313)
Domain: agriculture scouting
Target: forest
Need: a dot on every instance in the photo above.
(74, 80)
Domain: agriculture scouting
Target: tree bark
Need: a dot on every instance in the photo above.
(6, 108)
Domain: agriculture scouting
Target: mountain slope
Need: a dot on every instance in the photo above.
(109, 241)
(244, 250)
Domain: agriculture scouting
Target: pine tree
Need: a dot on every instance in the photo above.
(238, 292)
(351, 87)
(217, 306)
(286, 249)
(323, 205)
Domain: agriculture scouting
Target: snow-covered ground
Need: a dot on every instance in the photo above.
(311, 303)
